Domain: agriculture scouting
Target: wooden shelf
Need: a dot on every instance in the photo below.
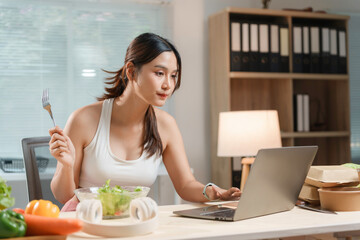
(285, 13)
(315, 134)
(309, 76)
(241, 91)
(296, 76)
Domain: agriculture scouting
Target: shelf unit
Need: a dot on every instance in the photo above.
(235, 91)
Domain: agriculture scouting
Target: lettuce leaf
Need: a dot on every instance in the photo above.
(115, 200)
(6, 200)
(351, 165)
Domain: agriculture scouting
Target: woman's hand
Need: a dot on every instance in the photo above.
(61, 147)
(216, 193)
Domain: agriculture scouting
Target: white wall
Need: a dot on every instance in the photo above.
(190, 99)
(190, 34)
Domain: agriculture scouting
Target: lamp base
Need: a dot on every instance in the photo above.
(245, 169)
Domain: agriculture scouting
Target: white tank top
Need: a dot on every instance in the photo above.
(100, 164)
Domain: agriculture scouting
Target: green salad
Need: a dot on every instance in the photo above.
(351, 165)
(115, 200)
(6, 200)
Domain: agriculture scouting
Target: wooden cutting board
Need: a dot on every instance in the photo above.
(47, 237)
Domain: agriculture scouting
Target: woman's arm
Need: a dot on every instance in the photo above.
(177, 165)
(67, 147)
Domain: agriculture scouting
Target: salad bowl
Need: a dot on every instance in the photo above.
(115, 200)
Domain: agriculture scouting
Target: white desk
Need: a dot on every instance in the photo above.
(296, 222)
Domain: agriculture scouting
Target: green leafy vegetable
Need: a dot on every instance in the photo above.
(115, 200)
(6, 200)
(351, 165)
(354, 166)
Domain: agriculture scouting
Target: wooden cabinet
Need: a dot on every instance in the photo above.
(234, 91)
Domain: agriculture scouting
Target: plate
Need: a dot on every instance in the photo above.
(121, 227)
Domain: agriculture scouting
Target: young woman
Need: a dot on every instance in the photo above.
(122, 137)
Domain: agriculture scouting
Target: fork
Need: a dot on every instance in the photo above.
(46, 103)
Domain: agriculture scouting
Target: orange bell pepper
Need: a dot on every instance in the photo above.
(42, 208)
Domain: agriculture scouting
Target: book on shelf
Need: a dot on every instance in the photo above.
(274, 48)
(301, 112)
(306, 113)
(264, 40)
(245, 47)
(314, 49)
(298, 113)
(306, 49)
(254, 47)
(235, 45)
(342, 60)
(284, 48)
(334, 50)
(297, 49)
(325, 50)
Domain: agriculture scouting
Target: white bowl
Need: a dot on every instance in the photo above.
(114, 204)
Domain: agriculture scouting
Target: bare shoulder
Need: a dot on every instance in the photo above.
(83, 122)
(167, 126)
(164, 119)
(87, 112)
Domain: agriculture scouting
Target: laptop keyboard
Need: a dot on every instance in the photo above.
(228, 212)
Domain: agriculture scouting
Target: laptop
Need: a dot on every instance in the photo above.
(273, 185)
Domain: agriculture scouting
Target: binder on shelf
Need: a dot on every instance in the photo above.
(325, 50)
(254, 47)
(306, 49)
(274, 48)
(245, 46)
(334, 50)
(306, 112)
(264, 65)
(342, 52)
(235, 46)
(298, 113)
(302, 112)
(297, 49)
(284, 49)
(315, 49)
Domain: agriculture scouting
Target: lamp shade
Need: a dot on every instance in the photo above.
(243, 133)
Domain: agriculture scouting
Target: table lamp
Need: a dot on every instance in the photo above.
(243, 133)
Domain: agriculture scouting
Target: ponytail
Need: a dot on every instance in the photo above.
(152, 140)
(117, 82)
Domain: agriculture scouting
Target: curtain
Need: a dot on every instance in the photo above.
(63, 46)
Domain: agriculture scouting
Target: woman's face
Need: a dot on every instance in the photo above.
(156, 80)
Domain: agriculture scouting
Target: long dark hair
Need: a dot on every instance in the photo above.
(143, 49)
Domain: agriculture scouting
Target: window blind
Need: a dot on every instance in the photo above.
(63, 45)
